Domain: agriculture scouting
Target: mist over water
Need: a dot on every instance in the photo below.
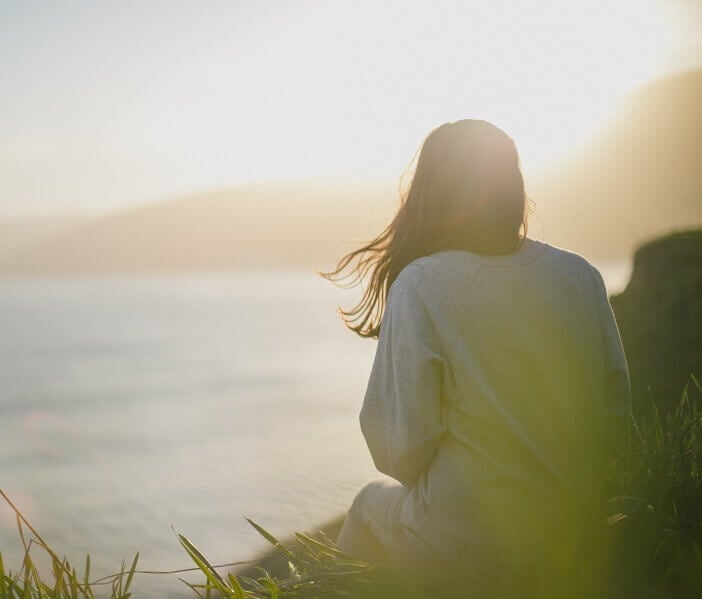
(132, 404)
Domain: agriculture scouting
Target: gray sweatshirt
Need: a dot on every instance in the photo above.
(498, 388)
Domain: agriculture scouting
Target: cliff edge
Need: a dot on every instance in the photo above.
(660, 319)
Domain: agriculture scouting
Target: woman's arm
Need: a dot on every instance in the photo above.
(401, 417)
(617, 400)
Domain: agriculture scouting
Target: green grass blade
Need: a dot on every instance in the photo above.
(254, 584)
(192, 587)
(3, 581)
(306, 539)
(130, 576)
(74, 584)
(272, 540)
(212, 575)
(86, 579)
(236, 587)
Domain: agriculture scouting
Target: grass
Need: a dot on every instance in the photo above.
(655, 510)
(316, 566)
(647, 543)
(27, 582)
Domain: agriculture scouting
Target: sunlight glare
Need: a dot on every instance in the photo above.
(548, 72)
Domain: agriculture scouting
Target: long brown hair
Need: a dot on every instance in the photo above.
(467, 193)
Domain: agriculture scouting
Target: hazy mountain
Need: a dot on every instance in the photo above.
(17, 233)
(308, 224)
(641, 176)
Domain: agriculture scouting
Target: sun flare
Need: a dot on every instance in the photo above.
(547, 72)
(252, 92)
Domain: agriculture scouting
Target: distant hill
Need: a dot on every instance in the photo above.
(250, 226)
(15, 234)
(639, 178)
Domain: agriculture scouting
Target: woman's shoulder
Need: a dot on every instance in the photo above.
(530, 252)
(540, 259)
(422, 271)
(572, 263)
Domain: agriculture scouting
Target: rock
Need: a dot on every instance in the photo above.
(660, 319)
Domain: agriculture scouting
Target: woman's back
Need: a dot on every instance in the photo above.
(499, 375)
(490, 394)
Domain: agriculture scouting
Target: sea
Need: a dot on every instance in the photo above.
(133, 408)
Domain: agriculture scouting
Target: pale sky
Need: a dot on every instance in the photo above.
(111, 103)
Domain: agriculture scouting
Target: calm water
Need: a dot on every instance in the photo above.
(130, 405)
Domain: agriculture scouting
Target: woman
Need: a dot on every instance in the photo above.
(499, 384)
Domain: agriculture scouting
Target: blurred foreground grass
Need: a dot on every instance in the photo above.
(645, 542)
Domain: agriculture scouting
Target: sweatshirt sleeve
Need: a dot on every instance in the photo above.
(401, 418)
(617, 400)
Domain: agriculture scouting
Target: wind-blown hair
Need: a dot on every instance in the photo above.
(467, 193)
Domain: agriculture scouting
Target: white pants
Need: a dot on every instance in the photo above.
(373, 530)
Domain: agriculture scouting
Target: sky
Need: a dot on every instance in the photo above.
(114, 103)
